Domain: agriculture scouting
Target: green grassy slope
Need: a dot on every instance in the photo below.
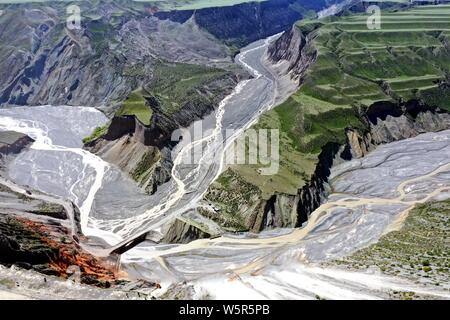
(174, 85)
(177, 84)
(97, 133)
(136, 105)
(355, 67)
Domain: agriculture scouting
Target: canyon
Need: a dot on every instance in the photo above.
(110, 190)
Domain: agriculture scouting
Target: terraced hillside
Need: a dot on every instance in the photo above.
(353, 68)
(404, 59)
